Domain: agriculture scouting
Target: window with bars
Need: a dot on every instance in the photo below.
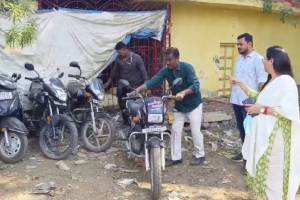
(227, 58)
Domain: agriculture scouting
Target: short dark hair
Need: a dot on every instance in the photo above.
(121, 45)
(173, 51)
(248, 37)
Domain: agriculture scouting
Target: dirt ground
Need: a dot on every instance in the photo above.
(97, 176)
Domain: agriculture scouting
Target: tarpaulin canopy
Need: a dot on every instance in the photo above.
(89, 37)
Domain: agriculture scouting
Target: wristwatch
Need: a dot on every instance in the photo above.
(262, 110)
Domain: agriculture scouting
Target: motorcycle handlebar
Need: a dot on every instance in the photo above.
(33, 79)
(76, 76)
(168, 97)
(130, 98)
(72, 76)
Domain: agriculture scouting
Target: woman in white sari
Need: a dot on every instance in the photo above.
(272, 148)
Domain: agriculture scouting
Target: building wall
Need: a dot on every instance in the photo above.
(197, 30)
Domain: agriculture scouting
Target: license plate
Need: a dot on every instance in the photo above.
(155, 118)
(154, 129)
(6, 95)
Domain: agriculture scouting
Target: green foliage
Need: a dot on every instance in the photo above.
(24, 29)
(21, 35)
(268, 6)
(286, 13)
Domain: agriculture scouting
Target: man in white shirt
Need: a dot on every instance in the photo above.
(250, 70)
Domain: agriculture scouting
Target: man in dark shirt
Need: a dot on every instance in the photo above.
(188, 105)
(128, 66)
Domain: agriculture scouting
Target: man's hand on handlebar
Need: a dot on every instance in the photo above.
(131, 94)
(180, 96)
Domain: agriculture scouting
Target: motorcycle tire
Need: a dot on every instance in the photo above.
(45, 134)
(155, 172)
(88, 134)
(19, 145)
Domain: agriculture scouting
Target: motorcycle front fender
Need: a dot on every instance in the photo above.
(154, 142)
(14, 124)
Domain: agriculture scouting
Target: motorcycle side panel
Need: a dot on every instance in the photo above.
(7, 83)
(10, 107)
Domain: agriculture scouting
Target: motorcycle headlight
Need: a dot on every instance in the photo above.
(101, 96)
(61, 95)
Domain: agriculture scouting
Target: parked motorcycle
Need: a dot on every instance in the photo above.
(58, 135)
(148, 132)
(86, 107)
(13, 138)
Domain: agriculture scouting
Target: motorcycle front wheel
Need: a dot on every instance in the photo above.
(155, 172)
(15, 151)
(101, 139)
(61, 144)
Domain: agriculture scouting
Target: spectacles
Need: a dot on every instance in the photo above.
(169, 59)
(265, 59)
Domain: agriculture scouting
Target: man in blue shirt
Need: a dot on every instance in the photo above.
(250, 70)
(188, 105)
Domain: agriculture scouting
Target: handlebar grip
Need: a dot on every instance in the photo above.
(169, 97)
(27, 78)
(71, 76)
(74, 76)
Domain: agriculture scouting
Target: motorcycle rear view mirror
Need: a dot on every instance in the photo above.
(19, 76)
(29, 66)
(176, 82)
(124, 83)
(74, 64)
(61, 75)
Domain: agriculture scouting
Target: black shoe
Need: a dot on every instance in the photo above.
(198, 161)
(170, 163)
(238, 158)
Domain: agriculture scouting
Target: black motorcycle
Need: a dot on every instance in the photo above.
(13, 138)
(58, 135)
(148, 132)
(85, 106)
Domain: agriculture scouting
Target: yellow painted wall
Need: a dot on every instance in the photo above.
(197, 30)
